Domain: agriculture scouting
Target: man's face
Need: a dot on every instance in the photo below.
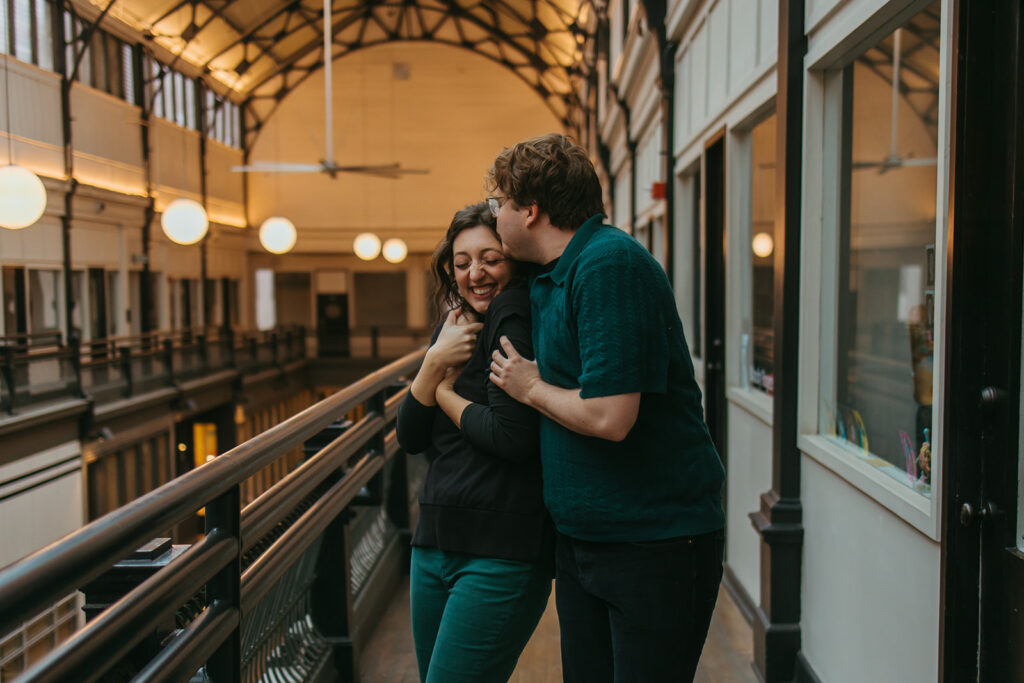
(512, 228)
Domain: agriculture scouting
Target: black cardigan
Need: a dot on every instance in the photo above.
(482, 494)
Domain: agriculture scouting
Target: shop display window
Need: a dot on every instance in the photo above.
(880, 402)
(759, 353)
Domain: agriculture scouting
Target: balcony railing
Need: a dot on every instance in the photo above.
(41, 367)
(273, 591)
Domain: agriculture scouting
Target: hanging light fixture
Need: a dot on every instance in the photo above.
(278, 235)
(763, 244)
(184, 221)
(22, 197)
(366, 245)
(395, 250)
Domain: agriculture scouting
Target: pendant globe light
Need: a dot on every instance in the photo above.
(762, 244)
(22, 197)
(395, 250)
(366, 246)
(278, 235)
(184, 221)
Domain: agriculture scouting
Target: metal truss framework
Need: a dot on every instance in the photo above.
(919, 79)
(263, 49)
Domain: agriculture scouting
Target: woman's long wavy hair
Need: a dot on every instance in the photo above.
(446, 291)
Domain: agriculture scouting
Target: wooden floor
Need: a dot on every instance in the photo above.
(389, 658)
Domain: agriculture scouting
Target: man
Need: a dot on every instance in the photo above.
(631, 477)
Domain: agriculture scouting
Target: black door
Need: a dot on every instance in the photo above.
(332, 324)
(714, 293)
(982, 561)
(15, 310)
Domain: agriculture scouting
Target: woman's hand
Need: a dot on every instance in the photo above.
(456, 341)
(454, 345)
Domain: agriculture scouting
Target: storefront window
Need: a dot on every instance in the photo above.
(761, 351)
(882, 400)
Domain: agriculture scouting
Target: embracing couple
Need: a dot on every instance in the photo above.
(591, 463)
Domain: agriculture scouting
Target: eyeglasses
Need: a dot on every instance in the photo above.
(495, 203)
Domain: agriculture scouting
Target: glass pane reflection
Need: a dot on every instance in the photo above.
(883, 397)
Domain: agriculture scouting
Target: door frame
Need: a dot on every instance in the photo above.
(981, 438)
(714, 228)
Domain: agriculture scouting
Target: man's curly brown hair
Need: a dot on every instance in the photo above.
(553, 172)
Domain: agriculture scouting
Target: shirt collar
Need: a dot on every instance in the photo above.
(573, 249)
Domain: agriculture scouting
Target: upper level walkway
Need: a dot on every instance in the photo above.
(291, 585)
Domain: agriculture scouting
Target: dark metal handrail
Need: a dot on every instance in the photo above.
(31, 584)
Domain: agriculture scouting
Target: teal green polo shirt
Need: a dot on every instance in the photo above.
(605, 322)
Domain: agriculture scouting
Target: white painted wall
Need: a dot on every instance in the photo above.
(648, 168)
(870, 587)
(725, 51)
(107, 138)
(748, 476)
(35, 119)
(32, 517)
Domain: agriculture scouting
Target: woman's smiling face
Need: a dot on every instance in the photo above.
(479, 265)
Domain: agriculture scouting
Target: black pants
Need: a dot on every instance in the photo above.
(636, 612)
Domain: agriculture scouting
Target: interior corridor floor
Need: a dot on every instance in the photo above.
(389, 657)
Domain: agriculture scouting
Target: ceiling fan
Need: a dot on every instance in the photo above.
(327, 164)
(893, 159)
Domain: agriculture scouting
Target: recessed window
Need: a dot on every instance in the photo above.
(880, 401)
(760, 343)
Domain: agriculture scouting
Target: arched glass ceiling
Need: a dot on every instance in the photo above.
(261, 49)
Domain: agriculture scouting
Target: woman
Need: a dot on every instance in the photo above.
(482, 552)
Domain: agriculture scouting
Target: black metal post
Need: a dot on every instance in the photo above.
(75, 349)
(656, 10)
(224, 513)
(168, 360)
(125, 355)
(777, 633)
(204, 350)
(8, 371)
(200, 113)
(332, 599)
(69, 196)
(229, 345)
(148, 312)
(631, 146)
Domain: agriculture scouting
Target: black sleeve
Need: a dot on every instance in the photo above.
(505, 428)
(415, 423)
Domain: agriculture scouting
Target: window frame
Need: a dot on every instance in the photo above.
(822, 179)
(739, 294)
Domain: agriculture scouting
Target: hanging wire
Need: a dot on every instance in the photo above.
(7, 87)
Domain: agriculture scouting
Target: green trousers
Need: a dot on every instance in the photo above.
(472, 616)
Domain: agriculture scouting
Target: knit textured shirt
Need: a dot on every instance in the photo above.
(605, 322)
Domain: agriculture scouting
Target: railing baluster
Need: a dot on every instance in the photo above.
(332, 600)
(8, 370)
(125, 352)
(224, 513)
(204, 352)
(168, 360)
